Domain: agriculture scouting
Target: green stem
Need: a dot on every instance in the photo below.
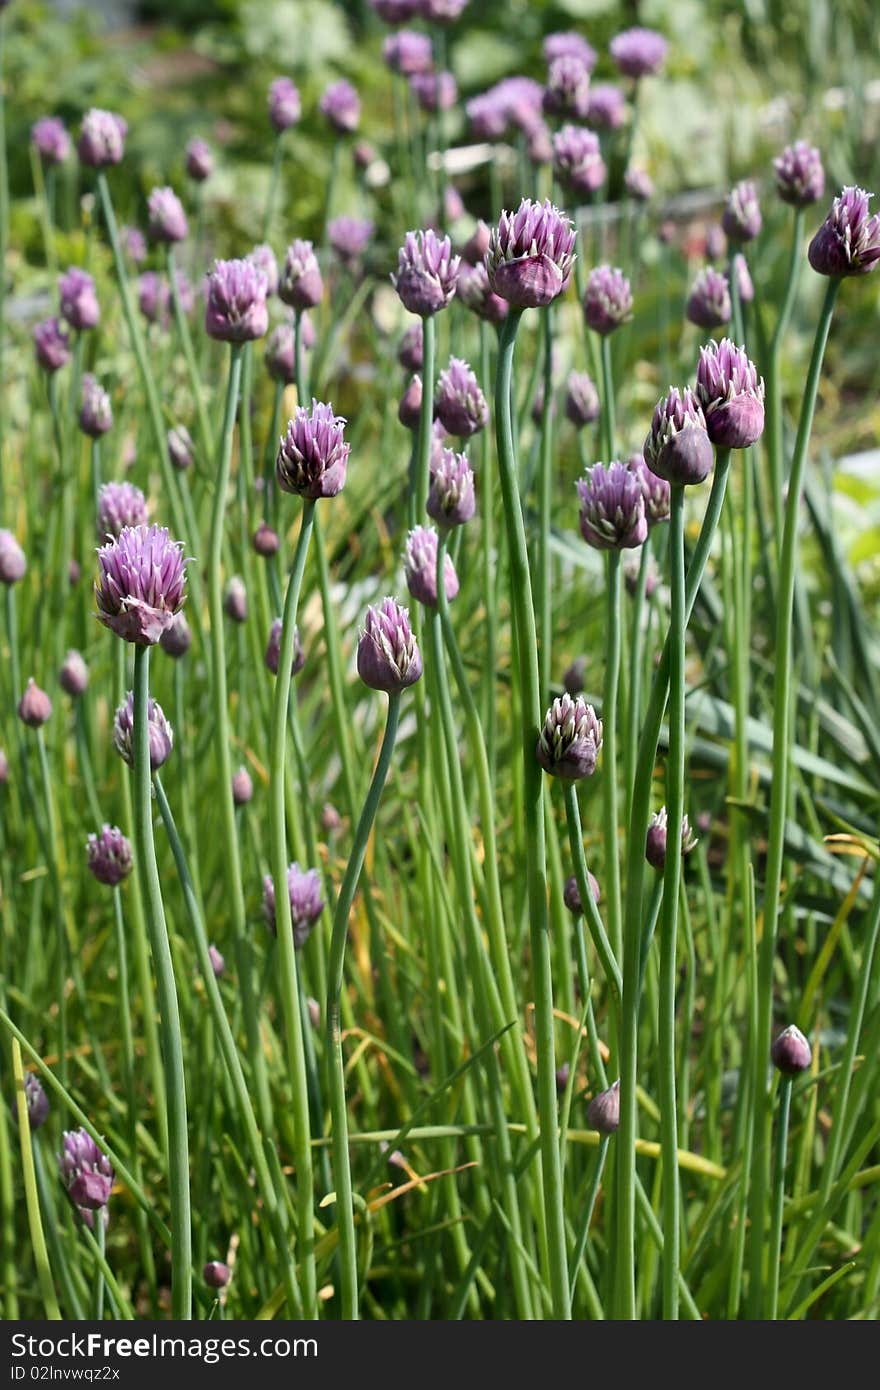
(31, 1196)
(545, 475)
(771, 1311)
(490, 561)
(775, 443)
(669, 927)
(335, 1061)
(610, 820)
(603, 946)
(172, 1053)
(779, 795)
(423, 458)
(195, 380)
(288, 984)
(624, 1270)
(607, 426)
(533, 808)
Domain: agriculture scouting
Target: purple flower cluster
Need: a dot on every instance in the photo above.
(741, 218)
(577, 159)
(678, 447)
(79, 299)
(638, 52)
(426, 273)
(13, 564)
(51, 345)
(570, 739)
(313, 455)
(101, 139)
(708, 303)
(285, 107)
(236, 310)
(475, 292)
(273, 650)
(108, 856)
(731, 395)
(349, 237)
(420, 567)
(50, 138)
(434, 91)
(612, 510)
(513, 103)
(306, 903)
(459, 404)
(160, 734)
(95, 411)
(87, 1173)
(567, 92)
(408, 52)
(569, 45)
(120, 505)
(848, 241)
(451, 500)
(531, 254)
(342, 107)
(607, 299)
(800, 177)
(655, 840)
(199, 160)
(300, 284)
(581, 400)
(388, 656)
(141, 583)
(166, 219)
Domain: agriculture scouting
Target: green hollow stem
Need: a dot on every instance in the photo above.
(268, 1191)
(289, 986)
(184, 523)
(419, 499)
(591, 912)
(489, 559)
(779, 797)
(31, 1195)
(607, 422)
(274, 177)
(610, 818)
(580, 1244)
(62, 945)
(775, 445)
(195, 378)
(335, 1061)
(172, 1051)
(625, 1303)
(220, 704)
(634, 682)
(669, 922)
(529, 691)
(545, 507)
(4, 243)
(771, 1310)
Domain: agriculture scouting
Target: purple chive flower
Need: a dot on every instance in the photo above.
(677, 447)
(349, 237)
(242, 787)
(731, 394)
(166, 219)
(134, 244)
(655, 491)
(185, 292)
(800, 177)
(216, 1274)
(570, 739)
(612, 512)
(409, 411)
(791, 1052)
(300, 284)
(451, 501)
(218, 964)
(459, 404)
(581, 400)
(434, 91)
(531, 254)
(285, 107)
(34, 707)
(607, 299)
(36, 1101)
(263, 257)
(567, 92)
(313, 455)
(181, 449)
(176, 639)
(577, 159)
(410, 351)
(87, 1173)
(420, 567)
(606, 107)
(13, 564)
(4, 768)
(426, 273)
(487, 116)
(159, 732)
(539, 145)
(395, 11)
(95, 412)
(388, 656)
(235, 600)
(638, 184)
(236, 310)
(638, 52)
(473, 253)
(741, 218)
(708, 303)
(848, 241)
(716, 243)
(51, 344)
(154, 297)
(655, 840)
(141, 583)
(281, 354)
(101, 139)
(342, 107)
(569, 45)
(472, 288)
(266, 541)
(575, 676)
(199, 160)
(50, 138)
(571, 895)
(74, 674)
(306, 903)
(273, 650)
(603, 1111)
(440, 11)
(108, 856)
(745, 288)
(120, 505)
(79, 300)
(408, 52)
